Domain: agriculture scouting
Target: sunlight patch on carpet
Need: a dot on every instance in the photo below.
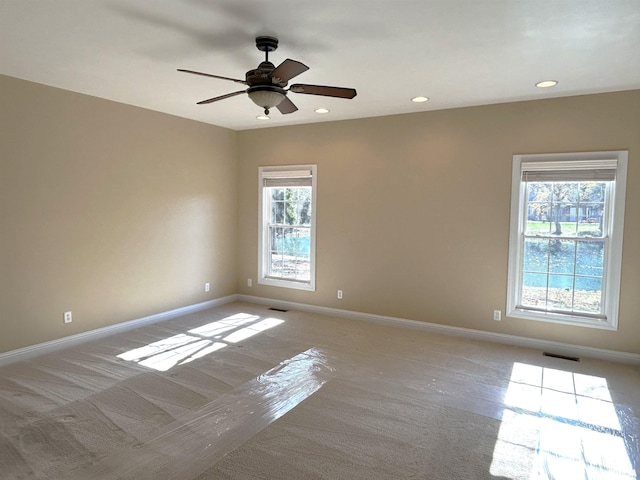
(182, 348)
(565, 424)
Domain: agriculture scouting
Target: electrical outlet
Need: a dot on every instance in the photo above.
(207, 287)
(249, 282)
(68, 317)
(497, 315)
(340, 294)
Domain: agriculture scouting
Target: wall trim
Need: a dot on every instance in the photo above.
(38, 349)
(544, 345)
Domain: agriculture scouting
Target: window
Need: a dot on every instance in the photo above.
(287, 226)
(565, 250)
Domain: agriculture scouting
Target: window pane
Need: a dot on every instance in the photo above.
(590, 256)
(275, 250)
(591, 220)
(570, 227)
(290, 206)
(561, 282)
(538, 207)
(534, 290)
(277, 193)
(539, 192)
(592, 192)
(295, 259)
(562, 256)
(277, 212)
(564, 209)
(276, 263)
(538, 219)
(560, 292)
(588, 295)
(565, 192)
(304, 206)
(279, 239)
(536, 255)
(564, 204)
(591, 208)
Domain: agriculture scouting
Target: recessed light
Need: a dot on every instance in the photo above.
(547, 83)
(321, 110)
(263, 117)
(419, 99)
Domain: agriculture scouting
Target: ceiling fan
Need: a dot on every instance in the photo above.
(267, 83)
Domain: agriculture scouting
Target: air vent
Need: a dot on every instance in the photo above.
(278, 309)
(562, 357)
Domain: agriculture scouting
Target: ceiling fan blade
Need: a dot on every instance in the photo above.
(286, 106)
(338, 92)
(287, 70)
(221, 97)
(212, 76)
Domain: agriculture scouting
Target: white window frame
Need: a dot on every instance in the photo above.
(613, 248)
(264, 215)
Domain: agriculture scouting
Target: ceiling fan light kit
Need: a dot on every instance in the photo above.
(267, 83)
(266, 96)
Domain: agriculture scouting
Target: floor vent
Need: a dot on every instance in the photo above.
(563, 357)
(278, 309)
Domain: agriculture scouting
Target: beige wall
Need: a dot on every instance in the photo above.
(108, 210)
(115, 212)
(413, 210)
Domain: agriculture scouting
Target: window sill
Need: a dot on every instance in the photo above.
(572, 320)
(273, 282)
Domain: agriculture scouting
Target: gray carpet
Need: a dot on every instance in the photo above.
(226, 394)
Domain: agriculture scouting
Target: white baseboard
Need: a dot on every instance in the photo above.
(32, 351)
(544, 345)
(36, 350)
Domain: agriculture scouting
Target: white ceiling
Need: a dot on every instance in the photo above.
(456, 52)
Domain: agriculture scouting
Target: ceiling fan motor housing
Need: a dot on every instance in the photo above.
(262, 75)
